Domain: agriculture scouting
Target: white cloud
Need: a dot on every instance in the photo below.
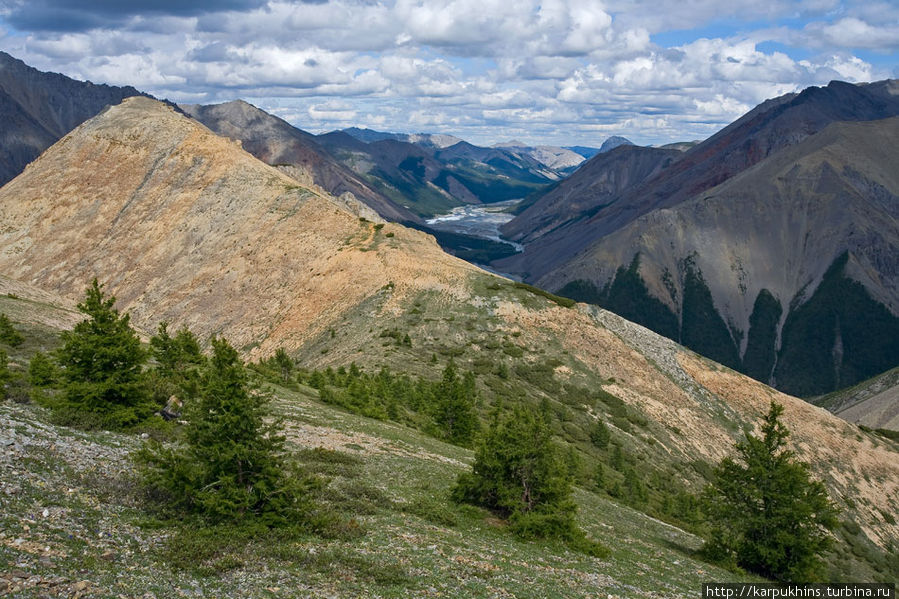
(556, 71)
(852, 32)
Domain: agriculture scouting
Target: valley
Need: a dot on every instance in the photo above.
(482, 220)
(660, 302)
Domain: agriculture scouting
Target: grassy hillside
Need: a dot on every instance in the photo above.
(71, 514)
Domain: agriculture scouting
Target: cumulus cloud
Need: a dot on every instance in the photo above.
(554, 71)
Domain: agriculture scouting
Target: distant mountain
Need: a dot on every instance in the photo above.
(590, 188)
(277, 142)
(430, 181)
(681, 146)
(614, 142)
(557, 161)
(561, 160)
(430, 140)
(788, 211)
(38, 108)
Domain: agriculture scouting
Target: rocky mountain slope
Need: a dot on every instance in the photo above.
(38, 108)
(768, 128)
(596, 183)
(185, 226)
(789, 271)
(277, 142)
(706, 266)
(200, 215)
(873, 403)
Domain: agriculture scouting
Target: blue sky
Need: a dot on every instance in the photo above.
(559, 72)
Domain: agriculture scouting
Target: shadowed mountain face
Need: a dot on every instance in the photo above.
(728, 247)
(38, 108)
(788, 271)
(277, 142)
(596, 183)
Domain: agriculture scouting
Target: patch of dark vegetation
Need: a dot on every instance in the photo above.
(888, 433)
(444, 408)
(434, 510)
(329, 462)
(540, 375)
(565, 302)
(758, 360)
(628, 296)
(702, 328)
(837, 338)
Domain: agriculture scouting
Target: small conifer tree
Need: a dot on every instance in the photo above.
(8, 333)
(454, 407)
(284, 365)
(600, 435)
(178, 361)
(520, 474)
(231, 467)
(42, 371)
(765, 513)
(101, 360)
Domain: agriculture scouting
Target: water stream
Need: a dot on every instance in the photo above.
(477, 220)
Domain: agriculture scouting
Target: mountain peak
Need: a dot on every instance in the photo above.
(614, 142)
(226, 244)
(38, 108)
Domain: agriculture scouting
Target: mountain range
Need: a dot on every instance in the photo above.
(186, 226)
(595, 234)
(428, 179)
(770, 247)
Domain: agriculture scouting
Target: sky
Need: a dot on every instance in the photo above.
(555, 72)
